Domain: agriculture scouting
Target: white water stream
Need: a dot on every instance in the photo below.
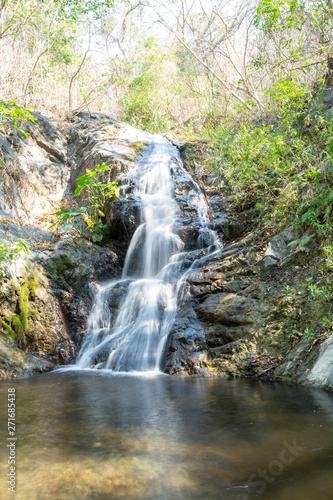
(134, 340)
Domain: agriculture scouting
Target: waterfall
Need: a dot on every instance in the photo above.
(131, 336)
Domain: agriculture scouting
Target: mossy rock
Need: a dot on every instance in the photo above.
(17, 325)
(33, 285)
(59, 265)
(138, 147)
(9, 331)
(23, 304)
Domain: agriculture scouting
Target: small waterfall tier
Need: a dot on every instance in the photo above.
(131, 317)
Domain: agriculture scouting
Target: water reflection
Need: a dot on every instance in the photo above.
(87, 435)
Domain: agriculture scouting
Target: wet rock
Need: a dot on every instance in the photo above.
(115, 297)
(197, 364)
(186, 339)
(195, 238)
(122, 218)
(73, 268)
(38, 173)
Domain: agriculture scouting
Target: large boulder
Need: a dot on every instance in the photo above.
(35, 174)
(95, 138)
(186, 344)
(230, 317)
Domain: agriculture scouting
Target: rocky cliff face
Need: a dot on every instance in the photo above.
(34, 171)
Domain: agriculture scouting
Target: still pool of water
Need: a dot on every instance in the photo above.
(86, 435)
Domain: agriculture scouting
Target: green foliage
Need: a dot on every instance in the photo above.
(287, 97)
(309, 335)
(327, 322)
(284, 171)
(317, 213)
(96, 193)
(293, 334)
(319, 293)
(152, 85)
(141, 106)
(328, 258)
(282, 15)
(75, 8)
(302, 243)
(71, 219)
(279, 15)
(11, 252)
(13, 114)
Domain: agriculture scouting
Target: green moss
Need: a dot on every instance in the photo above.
(17, 325)
(9, 330)
(23, 304)
(14, 285)
(28, 288)
(137, 147)
(32, 313)
(33, 284)
(60, 265)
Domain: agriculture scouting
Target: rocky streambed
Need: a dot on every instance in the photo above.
(249, 313)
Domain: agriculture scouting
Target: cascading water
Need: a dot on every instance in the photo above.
(155, 269)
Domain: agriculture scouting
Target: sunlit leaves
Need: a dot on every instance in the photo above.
(278, 15)
(75, 8)
(10, 252)
(11, 114)
(288, 97)
(88, 220)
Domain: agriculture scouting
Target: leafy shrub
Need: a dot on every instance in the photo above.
(11, 252)
(286, 176)
(96, 193)
(12, 114)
